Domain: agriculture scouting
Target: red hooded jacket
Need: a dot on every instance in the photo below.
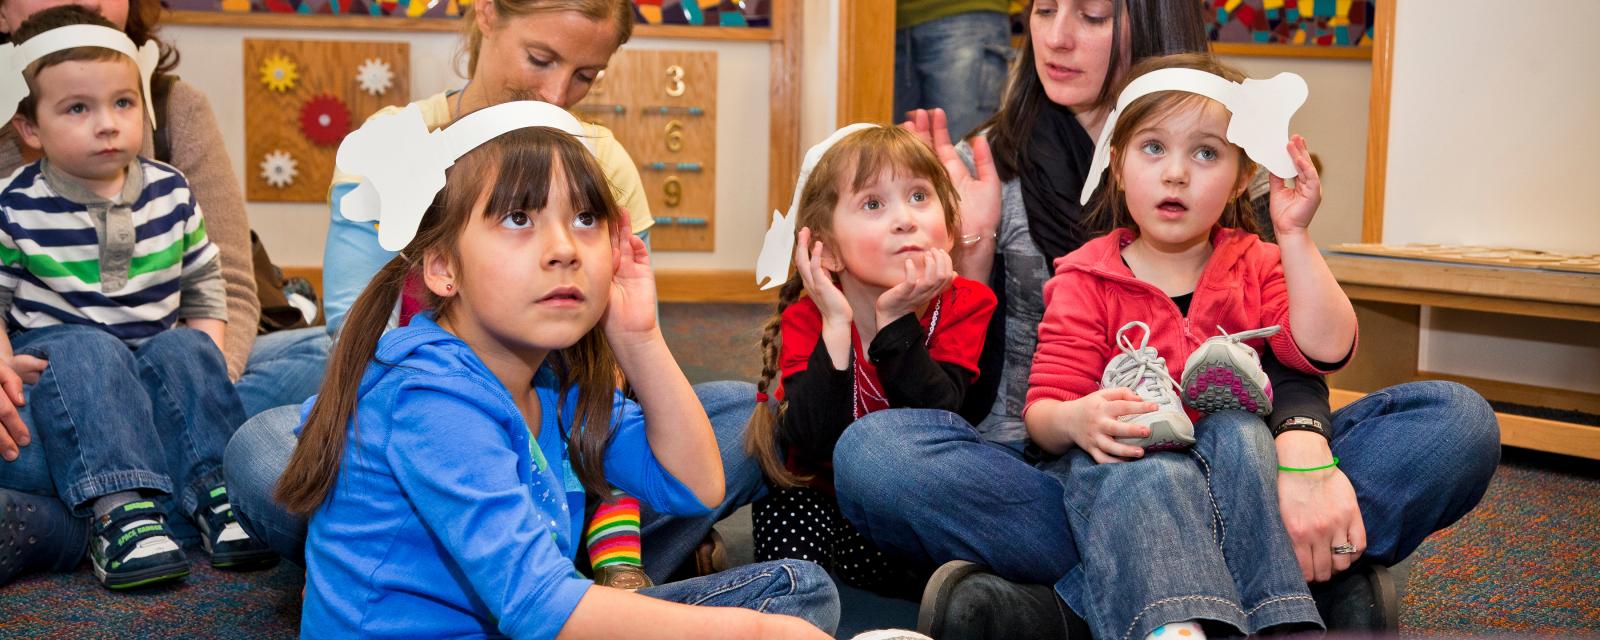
(1094, 293)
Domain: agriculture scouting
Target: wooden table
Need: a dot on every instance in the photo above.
(1389, 294)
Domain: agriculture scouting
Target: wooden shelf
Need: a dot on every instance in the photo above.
(296, 21)
(1290, 51)
(1522, 431)
(1509, 283)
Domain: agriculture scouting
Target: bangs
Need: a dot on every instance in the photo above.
(871, 151)
(522, 174)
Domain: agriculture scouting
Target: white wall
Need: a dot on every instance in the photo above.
(213, 60)
(1334, 123)
(1493, 140)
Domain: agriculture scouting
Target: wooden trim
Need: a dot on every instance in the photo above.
(707, 285)
(1531, 308)
(783, 164)
(866, 61)
(1533, 396)
(297, 21)
(1290, 51)
(1522, 431)
(1378, 121)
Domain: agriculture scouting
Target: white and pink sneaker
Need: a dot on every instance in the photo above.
(1225, 374)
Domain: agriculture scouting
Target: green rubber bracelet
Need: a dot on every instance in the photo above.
(1330, 465)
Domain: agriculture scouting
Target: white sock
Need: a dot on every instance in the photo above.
(1189, 630)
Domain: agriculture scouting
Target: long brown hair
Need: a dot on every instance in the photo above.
(862, 156)
(620, 11)
(516, 169)
(1155, 27)
(1112, 212)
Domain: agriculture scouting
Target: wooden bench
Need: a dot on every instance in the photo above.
(1389, 294)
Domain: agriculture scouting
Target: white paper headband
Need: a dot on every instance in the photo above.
(402, 164)
(1260, 124)
(777, 249)
(15, 58)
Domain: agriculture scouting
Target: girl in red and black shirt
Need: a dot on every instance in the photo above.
(884, 323)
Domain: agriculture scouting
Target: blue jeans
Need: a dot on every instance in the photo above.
(260, 450)
(106, 418)
(924, 487)
(785, 587)
(958, 63)
(285, 367)
(1182, 535)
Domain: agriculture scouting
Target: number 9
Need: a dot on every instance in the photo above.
(674, 190)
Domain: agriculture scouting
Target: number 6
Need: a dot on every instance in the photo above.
(674, 135)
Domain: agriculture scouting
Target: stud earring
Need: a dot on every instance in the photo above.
(449, 287)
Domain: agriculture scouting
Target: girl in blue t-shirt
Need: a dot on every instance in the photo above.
(444, 465)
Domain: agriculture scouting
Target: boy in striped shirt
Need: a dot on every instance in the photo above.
(106, 273)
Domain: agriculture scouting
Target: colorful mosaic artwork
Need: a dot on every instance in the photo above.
(714, 13)
(1325, 23)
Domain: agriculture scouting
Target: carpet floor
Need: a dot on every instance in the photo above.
(1526, 561)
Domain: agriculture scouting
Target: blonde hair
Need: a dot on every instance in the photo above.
(862, 157)
(1111, 212)
(619, 10)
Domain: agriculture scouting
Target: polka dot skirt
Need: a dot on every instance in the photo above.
(806, 524)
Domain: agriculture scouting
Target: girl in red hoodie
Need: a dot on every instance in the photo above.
(1123, 312)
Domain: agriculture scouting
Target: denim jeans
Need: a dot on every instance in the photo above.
(107, 418)
(958, 63)
(924, 487)
(1182, 535)
(260, 450)
(285, 367)
(785, 587)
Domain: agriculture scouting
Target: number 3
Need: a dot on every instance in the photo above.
(676, 86)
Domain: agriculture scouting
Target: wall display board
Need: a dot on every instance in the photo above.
(301, 97)
(662, 107)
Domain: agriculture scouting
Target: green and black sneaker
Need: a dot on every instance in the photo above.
(222, 537)
(132, 547)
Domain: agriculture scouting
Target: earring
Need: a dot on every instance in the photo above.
(449, 287)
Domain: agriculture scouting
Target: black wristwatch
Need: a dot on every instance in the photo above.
(1301, 423)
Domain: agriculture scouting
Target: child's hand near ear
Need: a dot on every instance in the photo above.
(830, 301)
(631, 310)
(1293, 207)
(919, 287)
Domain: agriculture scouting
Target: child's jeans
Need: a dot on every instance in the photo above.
(1159, 544)
(106, 418)
(786, 587)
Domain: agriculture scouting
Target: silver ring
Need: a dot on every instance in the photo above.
(1344, 549)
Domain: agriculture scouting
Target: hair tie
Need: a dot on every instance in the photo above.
(761, 397)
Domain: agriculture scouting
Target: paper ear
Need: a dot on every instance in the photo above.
(777, 248)
(149, 56)
(1260, 124)
(400, 171)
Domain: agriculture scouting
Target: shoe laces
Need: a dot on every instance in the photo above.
(1264, 332)
(1143, 370)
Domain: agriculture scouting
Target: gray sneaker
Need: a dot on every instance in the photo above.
(1225, 374)
(1145, 372)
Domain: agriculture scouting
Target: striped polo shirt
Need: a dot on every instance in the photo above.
(131, 266)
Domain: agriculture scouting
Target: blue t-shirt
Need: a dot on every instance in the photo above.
(445, 520)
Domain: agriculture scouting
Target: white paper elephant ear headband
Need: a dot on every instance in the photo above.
(15, 58)
(402, 164)
(777, 250)
(1260, 124)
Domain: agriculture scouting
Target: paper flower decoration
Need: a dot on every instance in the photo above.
(279, 73)
(324, 120)
(278, 169)
(375, 76)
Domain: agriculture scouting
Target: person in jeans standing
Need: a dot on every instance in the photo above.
(951, 55)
